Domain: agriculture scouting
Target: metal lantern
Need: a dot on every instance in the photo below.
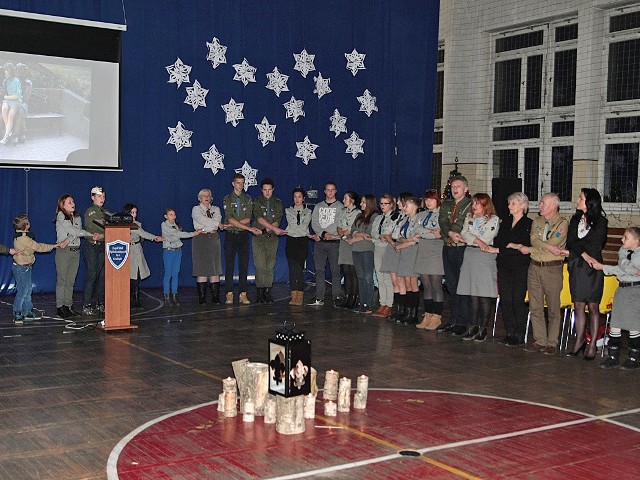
(289, 363)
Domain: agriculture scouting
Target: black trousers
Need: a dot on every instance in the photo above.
(297, 249)
(236, 243)
(512, 283)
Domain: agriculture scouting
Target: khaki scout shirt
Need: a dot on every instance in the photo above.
(235, 211)
(92, 213)
(444, 218)
(272, 215)
(551, 232)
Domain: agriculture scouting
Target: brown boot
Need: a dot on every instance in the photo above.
(244, 300)
(436, 321)
(294, 297)
(380, 312)
(426, 321)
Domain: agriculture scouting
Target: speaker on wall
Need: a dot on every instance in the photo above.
(501, 188)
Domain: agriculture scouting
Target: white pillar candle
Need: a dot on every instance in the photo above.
(344, 395)
(330, 409)
(310, 406)
(270, 409)
(248, 415)
(362, 389)
(330, 391)
(230, 404)
(221, 402)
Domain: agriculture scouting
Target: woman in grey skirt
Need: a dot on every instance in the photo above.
(139, 270)
(407, 247)
(345, 219)
(392, 257)
(479, 272)
(206, 251)
(380, 230)
(429, 261)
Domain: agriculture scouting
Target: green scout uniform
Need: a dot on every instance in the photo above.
(265, 246)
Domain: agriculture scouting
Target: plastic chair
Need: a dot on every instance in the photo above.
(566, 304)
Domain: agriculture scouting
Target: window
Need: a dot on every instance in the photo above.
(621, 173)
(534, 97)
(623, 82)
(562, 129)
(564, 78)
(562, 171)
(440, 94)
(436, 171)
(437, 137)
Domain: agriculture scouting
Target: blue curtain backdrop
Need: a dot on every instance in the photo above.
(399, 39)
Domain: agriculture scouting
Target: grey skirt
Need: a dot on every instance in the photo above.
(429, 257)
(626, 305)
(478, 274)
(206, 255)
(390, 260)
(407, 262)
(345, 256)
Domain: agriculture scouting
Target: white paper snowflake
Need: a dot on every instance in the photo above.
(354, 145)
(213, 159)
(216, 53)
(304, 63)
(277, 82)
(180, 137)
(355, 61)
(322, 85)
(266, 131)
(250, 175)
(294, 109)
(338, 123)
(178, 73)
(367, 103)
(233, 112)
(245, 73)
(196, 96)
(306, 150)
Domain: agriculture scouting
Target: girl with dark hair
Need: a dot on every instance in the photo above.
(407, 247)
(586, 236)
(297, 248)
(345, 219)
(479, 272)
(429, 261)
(139, 270)
(362, 246)
(391, 258)
(68, 227)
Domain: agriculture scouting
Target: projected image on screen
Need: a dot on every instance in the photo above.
(60, 94)
(45, 110)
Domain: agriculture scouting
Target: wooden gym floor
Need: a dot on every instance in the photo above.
(82, 404)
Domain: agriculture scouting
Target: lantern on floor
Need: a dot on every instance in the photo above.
(289, 363)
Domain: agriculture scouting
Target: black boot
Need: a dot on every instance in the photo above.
(267, 295)
(215, 292)
(136, 298)
(402, 308)
(342, 301)
(633, 360)
(260, 295)
(202, 292)
(174, 300)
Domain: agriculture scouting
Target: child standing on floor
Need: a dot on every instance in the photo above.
(626, 300)
(139, 268)
(172, 255)
(23, 266)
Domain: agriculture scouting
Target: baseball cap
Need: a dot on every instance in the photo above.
(97, 190)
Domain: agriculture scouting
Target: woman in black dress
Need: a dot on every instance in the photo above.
(586, 237)
(511, 244)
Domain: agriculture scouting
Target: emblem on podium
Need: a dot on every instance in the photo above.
(117, 253)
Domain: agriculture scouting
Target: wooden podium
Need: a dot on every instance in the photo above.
(117, 315)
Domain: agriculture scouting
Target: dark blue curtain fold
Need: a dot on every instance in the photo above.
(398, 37)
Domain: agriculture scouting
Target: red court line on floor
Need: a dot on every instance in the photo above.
(201, 443)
